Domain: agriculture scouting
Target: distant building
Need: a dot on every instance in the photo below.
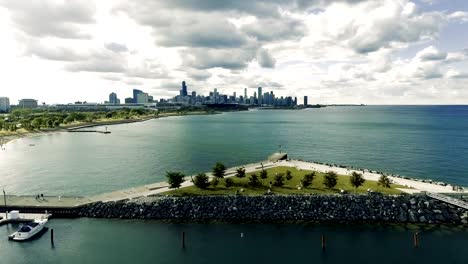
(27, 103)
(305, 101)
(260, 95)
(4, 104)
(113, 99)
(245, 95)
(129, 100)
(183, 91)
(142, 98)
(136, 92)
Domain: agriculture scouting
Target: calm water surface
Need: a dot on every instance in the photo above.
(419, 141)
(121, 241)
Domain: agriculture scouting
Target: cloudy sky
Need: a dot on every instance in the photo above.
(342, 51)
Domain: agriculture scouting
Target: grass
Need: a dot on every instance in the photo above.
(290, 187)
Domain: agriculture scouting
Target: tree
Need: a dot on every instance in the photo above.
(384, 181)
(288, 175)
(219, 170)
(356, 180)
(240, 172)
(214, 182)
(307, 180)
(279, 180)
(201, 181)
(175, 179)
(263, 175)
(228, 182)
(330, 180)
(253, 180)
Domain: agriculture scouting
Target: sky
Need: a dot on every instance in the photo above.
(334, 51)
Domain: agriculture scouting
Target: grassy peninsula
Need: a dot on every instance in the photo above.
(291, 185)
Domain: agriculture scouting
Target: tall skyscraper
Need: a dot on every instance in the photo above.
(4, 104)
(183, 91)
(245, 93)
(113, 98)
(259, 95)
(305, 100)
(135, 95)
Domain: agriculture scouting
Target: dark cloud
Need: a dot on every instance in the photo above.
(116, 47)
(46, 18)
(271, 29)
(199, 75)
(96, 66)
(212, 58)
(49, 52)
(265, 59)
(148, 69)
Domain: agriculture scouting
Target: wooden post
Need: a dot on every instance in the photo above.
(183, 240)
(4, 199)
(416, 240)
(52, 236)
(324, 244)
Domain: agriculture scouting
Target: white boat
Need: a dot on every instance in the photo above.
(28, 230)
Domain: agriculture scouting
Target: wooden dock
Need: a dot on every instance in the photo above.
(448, 199)
(23, 218)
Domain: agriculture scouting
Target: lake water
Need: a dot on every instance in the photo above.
(123, 241)
(417, 141)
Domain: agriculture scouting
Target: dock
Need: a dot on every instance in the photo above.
(449, 200)
(23, 218)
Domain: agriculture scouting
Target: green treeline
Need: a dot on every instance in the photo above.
(39, 119)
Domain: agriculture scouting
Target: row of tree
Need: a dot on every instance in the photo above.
(330, 179)
(33, 120)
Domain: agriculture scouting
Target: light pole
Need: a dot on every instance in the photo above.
(4, 200)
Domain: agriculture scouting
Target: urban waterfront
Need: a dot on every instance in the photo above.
(418, 141)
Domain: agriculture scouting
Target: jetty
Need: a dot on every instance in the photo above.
(62, 205)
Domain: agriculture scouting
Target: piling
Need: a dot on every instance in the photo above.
(52, 236)
(183, 240)
(416, 240)
(323, 243)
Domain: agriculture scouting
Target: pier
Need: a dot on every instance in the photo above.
(23, 218)
(63, 205)
(448, 199)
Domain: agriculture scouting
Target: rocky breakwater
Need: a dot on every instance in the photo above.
(276, 208)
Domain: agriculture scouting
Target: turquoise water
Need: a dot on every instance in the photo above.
(122, 241)
(418, 141)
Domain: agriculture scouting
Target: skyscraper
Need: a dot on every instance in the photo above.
(4, 104)
(183, 91)
(259, 95)
(305, 100)
(113, 98)
(245, 94)
(135, 95)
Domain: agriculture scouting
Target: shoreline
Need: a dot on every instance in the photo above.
(4, 140)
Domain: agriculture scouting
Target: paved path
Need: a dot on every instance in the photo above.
(448, 199)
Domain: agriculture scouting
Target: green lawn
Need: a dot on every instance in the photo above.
(290, 187)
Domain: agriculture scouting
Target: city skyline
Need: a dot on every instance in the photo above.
(371, 52)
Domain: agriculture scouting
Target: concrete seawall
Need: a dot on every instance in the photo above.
(308, 208)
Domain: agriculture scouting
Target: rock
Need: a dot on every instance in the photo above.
(422, 219)
(412, 201)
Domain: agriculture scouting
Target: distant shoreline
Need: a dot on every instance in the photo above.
(4, 140)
